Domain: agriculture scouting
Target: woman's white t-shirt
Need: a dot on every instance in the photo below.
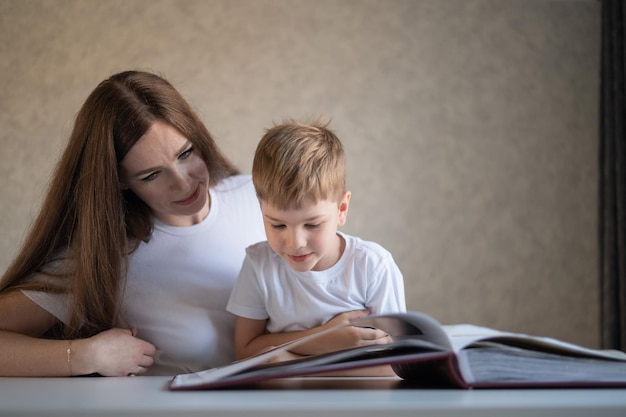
(179, 282)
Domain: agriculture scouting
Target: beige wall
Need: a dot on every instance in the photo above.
(471, 126)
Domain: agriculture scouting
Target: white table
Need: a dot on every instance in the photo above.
(148, 396)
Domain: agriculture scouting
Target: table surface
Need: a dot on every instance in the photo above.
(362, 397)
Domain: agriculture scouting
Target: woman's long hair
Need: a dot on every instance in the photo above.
(86, 217)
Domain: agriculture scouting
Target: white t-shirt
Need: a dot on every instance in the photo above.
(179, 282)
(365, 277)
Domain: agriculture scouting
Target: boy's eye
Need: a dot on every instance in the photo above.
(278, 226)
(312, 226)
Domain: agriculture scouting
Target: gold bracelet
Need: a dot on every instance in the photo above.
(68, 353)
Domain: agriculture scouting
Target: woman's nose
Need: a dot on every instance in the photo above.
(179, 179)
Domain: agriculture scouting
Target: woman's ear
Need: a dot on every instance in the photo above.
(344, 204)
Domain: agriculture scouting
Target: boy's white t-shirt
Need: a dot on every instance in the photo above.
(365, 277)
(179, 282)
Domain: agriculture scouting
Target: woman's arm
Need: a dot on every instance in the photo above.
(23, 351)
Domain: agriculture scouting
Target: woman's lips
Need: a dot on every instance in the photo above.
(193, 197)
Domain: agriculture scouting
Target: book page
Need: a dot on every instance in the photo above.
(464, 335)
(507, 365)
(411, 325)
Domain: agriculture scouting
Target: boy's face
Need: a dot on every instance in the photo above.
(307, 238)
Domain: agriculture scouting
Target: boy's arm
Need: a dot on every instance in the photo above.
(251, 337)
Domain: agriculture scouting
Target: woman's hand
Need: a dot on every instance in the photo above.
(114, 352)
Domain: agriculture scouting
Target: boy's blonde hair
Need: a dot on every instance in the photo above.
(297, 163)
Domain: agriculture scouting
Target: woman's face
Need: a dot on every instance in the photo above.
(169, 175)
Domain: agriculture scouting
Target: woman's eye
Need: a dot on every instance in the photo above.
(186, 154)
(150, 177)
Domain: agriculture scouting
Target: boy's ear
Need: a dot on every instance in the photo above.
(344, 204)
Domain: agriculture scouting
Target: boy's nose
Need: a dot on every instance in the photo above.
(296, 240)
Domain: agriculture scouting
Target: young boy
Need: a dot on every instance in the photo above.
(308, 276)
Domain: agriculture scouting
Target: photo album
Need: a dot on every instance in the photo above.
(427, 354)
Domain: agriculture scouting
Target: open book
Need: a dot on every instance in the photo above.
(429, 354)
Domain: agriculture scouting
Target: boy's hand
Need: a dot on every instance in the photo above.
(346, 317)
(345, 337)
(352, 336)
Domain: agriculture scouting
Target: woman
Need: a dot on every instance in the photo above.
(129, 265)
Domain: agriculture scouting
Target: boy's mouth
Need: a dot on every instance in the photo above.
(299, 258)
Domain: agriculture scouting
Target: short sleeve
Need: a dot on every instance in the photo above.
(56, 304)
(247, 298)
(386, 291)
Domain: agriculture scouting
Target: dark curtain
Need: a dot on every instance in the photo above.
(612, 187)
